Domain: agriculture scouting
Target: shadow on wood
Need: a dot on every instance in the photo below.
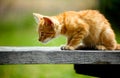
(98, 69)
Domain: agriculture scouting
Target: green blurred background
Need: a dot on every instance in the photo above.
(18, 28)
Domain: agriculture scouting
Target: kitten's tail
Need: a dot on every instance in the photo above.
(118, 47)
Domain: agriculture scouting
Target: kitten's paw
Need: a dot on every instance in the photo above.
(67, 48)
(62, 47)
(100, 47)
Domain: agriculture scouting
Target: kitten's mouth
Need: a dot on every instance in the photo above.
(46, 40)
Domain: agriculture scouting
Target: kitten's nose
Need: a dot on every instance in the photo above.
(39, 39)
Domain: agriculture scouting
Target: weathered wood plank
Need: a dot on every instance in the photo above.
(53, 55)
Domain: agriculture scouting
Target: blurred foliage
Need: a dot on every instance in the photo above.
(110, 8)
(5, 6)
(17, 25)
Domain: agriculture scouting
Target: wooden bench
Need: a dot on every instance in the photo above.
(53, 55)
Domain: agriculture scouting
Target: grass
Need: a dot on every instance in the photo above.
(27, 38)
(39, 71)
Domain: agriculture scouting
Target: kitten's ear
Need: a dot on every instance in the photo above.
(37, 17)
(48, 21)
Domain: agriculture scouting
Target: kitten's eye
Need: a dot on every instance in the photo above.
(42, 33)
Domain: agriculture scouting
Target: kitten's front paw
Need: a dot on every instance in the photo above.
(100, 47)
(67, 48)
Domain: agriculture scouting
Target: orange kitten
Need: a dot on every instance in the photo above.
(88, 27)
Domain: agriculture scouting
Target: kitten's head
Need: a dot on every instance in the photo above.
(46, 27)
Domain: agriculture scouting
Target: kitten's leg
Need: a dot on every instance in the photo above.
(75, 40)
(66, 47)
(108, 40)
